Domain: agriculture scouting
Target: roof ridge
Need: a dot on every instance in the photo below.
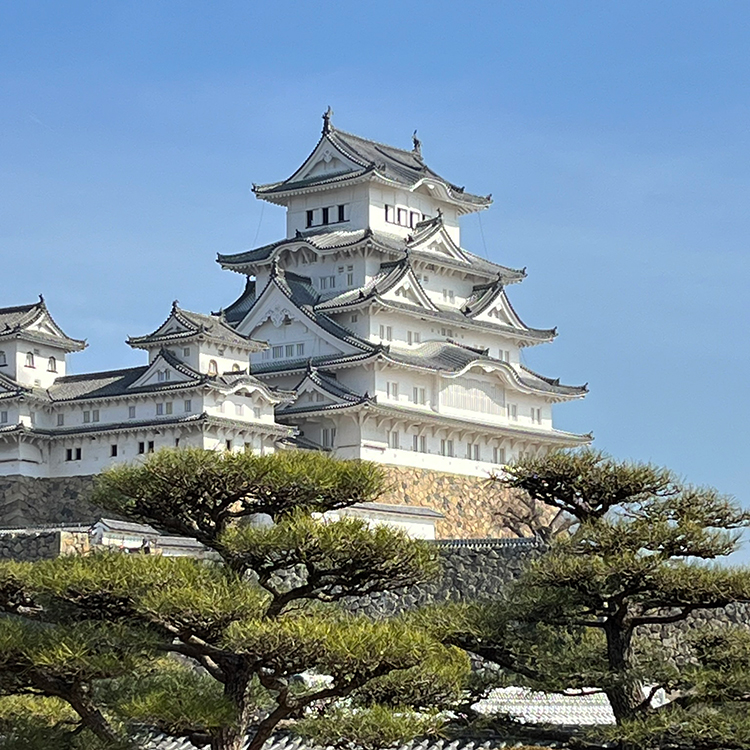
(90, 375)
(410, 152)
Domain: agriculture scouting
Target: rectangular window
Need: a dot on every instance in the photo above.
(504, 355)
(168, 407)
(445, 295)
(95, 415)
(451, 296)
(266, 354)
(342, 212)
(323, 281)
(350, 278)
(300, 350)
(3, 417)
(354, 318)
(113, 450)
(403, 217)
(278, 352)
(150, 446)
(78, 454)
(419, 443)
(391, 390)
(186, 352)
(60, 419)
(326, 212)
(388, 333)
(446, 447)
(177, 442)
(498, 455)
(389, 214)
(328, 436)
(32, 417)
(415, 219)
(131, 412)
(536, 415)
(289, 351)
(420, 396)
(188, 405)
(238, 409)
(256, 412)
(513, 412)
(472, 451)
(159, 410)
(141, 447)
(393, 439)
(86, 417)
(68, 454)
(310, 217)
(413, 337)
(228, 445)
(331, 282)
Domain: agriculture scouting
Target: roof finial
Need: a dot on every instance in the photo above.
(327, 125)
(417, 144)
(175, 303)
(41, 299)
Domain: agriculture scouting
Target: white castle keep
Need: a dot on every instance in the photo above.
(367, 331)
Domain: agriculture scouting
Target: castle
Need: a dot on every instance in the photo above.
(368, 330)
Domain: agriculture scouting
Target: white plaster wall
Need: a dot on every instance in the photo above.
(354, 197)
(37, 376)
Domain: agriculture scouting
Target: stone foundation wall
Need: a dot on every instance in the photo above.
(27, 547)
(25, 501)
(471, 505)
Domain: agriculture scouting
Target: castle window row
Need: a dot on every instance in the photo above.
(284, 351)
(402, 216)
(316, 217)
(447, 447)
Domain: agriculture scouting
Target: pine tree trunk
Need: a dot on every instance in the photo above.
(626, 695)
(233, 737)
(92, 718)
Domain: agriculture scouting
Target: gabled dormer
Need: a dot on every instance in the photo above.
(33, 347)
(164, 371)
(205, 343)
(321, 391)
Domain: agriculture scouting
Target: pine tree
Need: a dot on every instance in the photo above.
(218, 650)
(590, 612)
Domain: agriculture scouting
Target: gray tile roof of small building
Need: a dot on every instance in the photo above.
(15, 320)
(404, 167)
(213, 327)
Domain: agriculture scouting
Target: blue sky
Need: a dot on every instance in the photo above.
(613, 136)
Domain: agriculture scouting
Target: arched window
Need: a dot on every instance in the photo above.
(235, 367)
(3, 359)
(29, 359)
(51, 365)
(213, 368)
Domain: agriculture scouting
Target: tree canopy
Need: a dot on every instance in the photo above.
(104, 646)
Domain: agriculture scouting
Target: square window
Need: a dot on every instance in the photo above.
(131, 412)
(60, 420)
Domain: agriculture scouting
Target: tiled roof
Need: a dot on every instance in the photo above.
(15, 321)
(404, 167)
(213, 327)
(236, 312)
(343, 396)
(9, 388)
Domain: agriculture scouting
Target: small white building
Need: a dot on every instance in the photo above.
(194, 391)
(400, 345)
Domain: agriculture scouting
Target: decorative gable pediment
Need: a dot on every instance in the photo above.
(163, 373)
(438, 242)
(325, 159)
(310, 395)
(171, 326)
(498, 310)
(276, 319)
(409, 291)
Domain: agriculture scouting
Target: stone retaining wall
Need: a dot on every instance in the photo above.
(471, 506)
(25, 501)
